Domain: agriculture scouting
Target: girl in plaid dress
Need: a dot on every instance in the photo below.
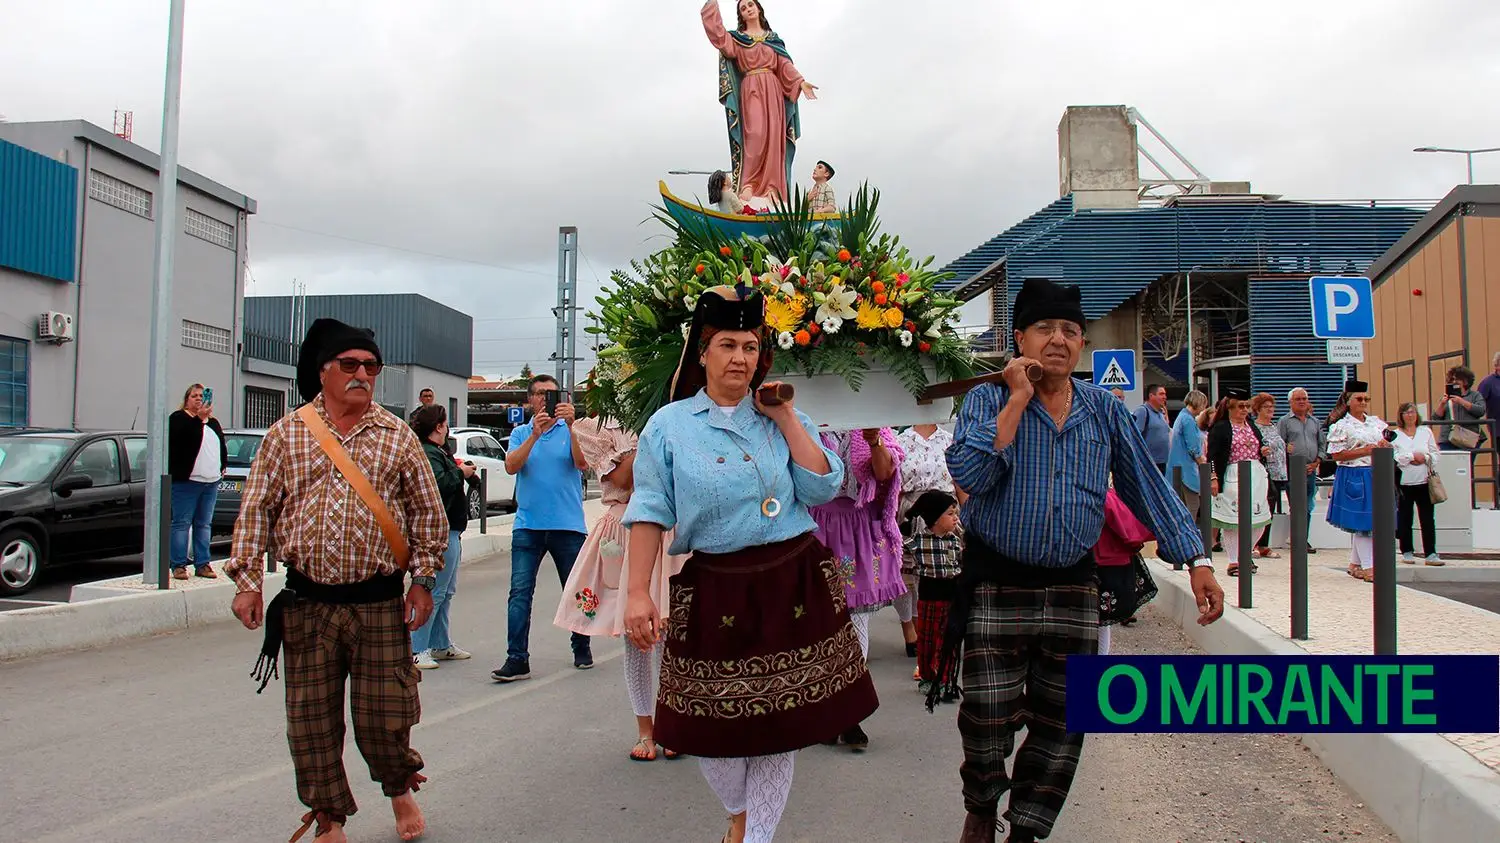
(934, 541)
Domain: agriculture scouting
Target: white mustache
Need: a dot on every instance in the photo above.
(356, 383)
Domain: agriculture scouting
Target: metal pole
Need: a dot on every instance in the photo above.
(1205, 508)
(483, 501)
(160, 563)
(165, 206)
(1192, 383)
(1383, 532)
(1177, 484)
(1470, 156)
(1247, 538)
(1297, 505)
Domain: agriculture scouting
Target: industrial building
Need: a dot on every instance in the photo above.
(1205, 280)
(424, 344)
(77, 257)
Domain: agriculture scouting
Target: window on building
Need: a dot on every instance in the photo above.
(205, 337)
(263, 407)
(121, 194)
(453, 412)
(14, 399)
(205, 227)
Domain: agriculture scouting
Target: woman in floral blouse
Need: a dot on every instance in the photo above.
(593, 601)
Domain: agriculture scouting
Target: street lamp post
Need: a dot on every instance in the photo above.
(1468, 154)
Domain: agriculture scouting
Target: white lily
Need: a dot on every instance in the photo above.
(837, 305)
(782, 271)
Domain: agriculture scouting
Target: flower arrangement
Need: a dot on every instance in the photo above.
(838, 299)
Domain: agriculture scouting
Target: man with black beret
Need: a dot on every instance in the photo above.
(1036, 453)
(345, 616)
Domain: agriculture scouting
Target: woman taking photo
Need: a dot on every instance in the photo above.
(196, 455)
(1186, 453)
(761, 658)
(1417, 454)
(1233, 440)
(1354, 435)
(431, 642)
(593, 602)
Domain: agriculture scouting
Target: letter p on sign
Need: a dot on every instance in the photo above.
(1343, 308)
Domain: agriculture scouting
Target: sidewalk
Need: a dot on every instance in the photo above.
(1425, 786)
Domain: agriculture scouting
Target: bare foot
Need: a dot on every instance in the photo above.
(334, 834)
(410, 823)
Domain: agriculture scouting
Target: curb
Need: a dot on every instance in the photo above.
(1422, 786)
(112, 616)
(1450, 573)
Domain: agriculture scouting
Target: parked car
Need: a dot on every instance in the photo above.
(242, 446)
(68, 496)
(479, 447)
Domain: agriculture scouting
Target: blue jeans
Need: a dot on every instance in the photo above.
(192, 510)
(1312, 500)
(526, 550)
(433, 635)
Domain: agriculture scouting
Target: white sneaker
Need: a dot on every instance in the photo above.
(424, 660)
(1409, 558)
(450, 654)
(1435, 560)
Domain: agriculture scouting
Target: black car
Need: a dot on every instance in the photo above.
(242, 446)
(67, 496)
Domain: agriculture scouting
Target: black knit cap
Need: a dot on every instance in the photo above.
(325, 340)
(930, 507)
(1356, 386)
(1043, 298)
(1234, 393)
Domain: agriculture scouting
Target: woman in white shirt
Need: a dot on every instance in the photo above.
(1416, 453)
(1354, 436)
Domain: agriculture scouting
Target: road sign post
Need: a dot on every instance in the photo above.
(1114, 368)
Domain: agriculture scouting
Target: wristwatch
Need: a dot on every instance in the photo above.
(1201, 562)
(428, 583)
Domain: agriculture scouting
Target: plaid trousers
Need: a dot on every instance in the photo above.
(367, 647)
(1014, 675)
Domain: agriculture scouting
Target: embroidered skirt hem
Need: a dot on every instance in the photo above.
(760, 655)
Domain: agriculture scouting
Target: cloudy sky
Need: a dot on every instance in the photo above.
(437, 146)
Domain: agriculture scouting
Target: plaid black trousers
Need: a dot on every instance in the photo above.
(368, 648)
(1014, 675)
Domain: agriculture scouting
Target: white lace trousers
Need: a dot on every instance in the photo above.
(638, 678)
(755, 787)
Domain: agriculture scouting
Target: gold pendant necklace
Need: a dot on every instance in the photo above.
(770, 505)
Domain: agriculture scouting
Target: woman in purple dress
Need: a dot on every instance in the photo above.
(862, 529)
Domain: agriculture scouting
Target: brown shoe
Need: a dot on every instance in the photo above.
(207, 572)
(980, 829)
(179, 573)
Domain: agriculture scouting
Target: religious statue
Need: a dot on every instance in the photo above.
(759, 87)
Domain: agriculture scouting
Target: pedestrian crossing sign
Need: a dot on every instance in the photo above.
(1114, 368)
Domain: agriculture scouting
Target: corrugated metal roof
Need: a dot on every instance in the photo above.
(38, 213)
(1284, 354)
(412, 330)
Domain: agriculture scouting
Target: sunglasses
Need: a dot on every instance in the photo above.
(350, 365)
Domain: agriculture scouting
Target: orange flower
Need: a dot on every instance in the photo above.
(877, 288)
(803, 338)
(725, 251)
(812, 327)
(880, 299)
(699, 269)
(924, 347)
(844, 255)
(893, 318)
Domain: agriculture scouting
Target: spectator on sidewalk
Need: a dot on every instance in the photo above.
(1305, 434)
(196, 456)
(1187, 451)
(1461, 402)
(548, 463)
(1151, 422)
(1416, 454)
(1263, 415)
(425, 398)
(431, 643)
(1489, 390)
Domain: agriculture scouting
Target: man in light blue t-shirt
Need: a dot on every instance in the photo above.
(1151, 423)
(547, 463)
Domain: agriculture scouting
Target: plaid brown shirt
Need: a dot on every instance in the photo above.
(295, 497)
(935, 557)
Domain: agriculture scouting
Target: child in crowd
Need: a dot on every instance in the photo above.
(934, 542)
(1125, 582)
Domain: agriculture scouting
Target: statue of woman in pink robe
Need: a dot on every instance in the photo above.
(759, 87)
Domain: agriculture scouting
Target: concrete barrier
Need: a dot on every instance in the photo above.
(1424, 787)
(101, 615)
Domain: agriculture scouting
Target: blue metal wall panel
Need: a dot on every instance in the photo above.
(412, 330)
(1284, 354)
(38, 213)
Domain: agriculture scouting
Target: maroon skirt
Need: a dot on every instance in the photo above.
(760, 655)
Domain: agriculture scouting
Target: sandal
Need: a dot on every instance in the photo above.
(1353, 570)
(643, 744)
(670, 755)
(1267, 553)
(1233, 570)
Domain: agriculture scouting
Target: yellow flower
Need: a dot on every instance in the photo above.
(870, 316)
(785, 315)
(894, 317)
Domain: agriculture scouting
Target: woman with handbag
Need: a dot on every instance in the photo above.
(1417, 453)
(1232, 439)
(1462, 403)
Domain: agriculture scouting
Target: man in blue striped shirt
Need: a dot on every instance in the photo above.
(1036, 454)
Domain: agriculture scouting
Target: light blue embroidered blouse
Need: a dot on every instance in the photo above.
(691, 474)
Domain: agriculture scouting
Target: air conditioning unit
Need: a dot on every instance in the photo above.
(55, 327)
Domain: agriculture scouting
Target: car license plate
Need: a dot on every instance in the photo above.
(231, 485)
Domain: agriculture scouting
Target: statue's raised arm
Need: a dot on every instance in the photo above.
(759, 87)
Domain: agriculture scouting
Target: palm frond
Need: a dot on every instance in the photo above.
(860, 223)
(791, 224)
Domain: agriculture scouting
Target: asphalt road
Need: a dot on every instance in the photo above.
(165, 739)
(1483, 595)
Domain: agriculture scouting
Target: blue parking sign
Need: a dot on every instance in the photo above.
(516, 415)
(1343, 307)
